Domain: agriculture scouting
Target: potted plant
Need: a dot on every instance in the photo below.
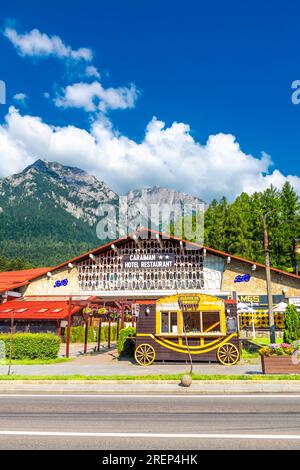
(280, 358)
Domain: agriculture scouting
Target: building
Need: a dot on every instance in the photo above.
(144, 266)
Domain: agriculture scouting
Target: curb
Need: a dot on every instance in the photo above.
(166, 386)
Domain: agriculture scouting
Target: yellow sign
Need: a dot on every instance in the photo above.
(297, 247)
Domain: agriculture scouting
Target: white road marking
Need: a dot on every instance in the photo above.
(117, 395)
(152, 435)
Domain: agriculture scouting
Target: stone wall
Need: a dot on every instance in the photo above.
(45, 286)
(257, 283)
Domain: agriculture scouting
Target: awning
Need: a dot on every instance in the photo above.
(36, 310)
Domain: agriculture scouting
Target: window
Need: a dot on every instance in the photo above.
(211, 322)
(192, 322)
(202, 322)
(169, 322)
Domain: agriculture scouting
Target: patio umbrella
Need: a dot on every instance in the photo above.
(281, 307)
(244, 308)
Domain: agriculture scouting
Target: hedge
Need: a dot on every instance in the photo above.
(31, 345)
(77, 334)
(126, 343)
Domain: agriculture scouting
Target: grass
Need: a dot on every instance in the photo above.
(149, 377)
(248, 355)
(265, 341)
(28, 362)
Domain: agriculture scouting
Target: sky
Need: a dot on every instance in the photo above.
(194, 96)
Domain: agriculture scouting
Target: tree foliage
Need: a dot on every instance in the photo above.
(291, 324)
(237, 228)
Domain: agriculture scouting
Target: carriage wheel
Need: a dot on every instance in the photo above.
(228, 354)
(144, 354)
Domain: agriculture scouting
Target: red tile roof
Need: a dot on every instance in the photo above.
(22, 309)
(12, 279)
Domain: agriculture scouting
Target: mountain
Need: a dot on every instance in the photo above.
(48, 212)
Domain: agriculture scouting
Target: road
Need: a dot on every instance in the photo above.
(149, 422)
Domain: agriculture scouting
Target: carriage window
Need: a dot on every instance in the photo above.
(169, 322)
(192, 322)
(211, 322)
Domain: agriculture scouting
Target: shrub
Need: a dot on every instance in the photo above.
(32, 345)
(104, 333)
(77, 334)
(126, 342)
(291, 324)
(283, 349)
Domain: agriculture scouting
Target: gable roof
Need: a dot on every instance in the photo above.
(10, 280)
(138, 232)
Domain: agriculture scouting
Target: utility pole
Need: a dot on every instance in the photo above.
(268, 278)
(296, 252)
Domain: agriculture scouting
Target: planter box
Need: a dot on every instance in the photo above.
(279, 365)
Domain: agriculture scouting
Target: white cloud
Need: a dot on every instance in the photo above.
(92, 71)
(167, 156)
(93, 97)
(38, 44)
(20, 98)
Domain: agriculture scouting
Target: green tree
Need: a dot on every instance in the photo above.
(291, 324)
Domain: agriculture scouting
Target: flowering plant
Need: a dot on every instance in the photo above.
(283, 349)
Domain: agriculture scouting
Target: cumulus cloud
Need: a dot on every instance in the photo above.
(92, 71)
(167, 156)
(20, 98)
(38, 44)
(93, 97)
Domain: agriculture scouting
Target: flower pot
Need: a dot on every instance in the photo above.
(279, 365)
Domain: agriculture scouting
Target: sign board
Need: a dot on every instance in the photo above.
(297, 247)
(146, 261)
(242, 278)
(189, 302)
(256, 300)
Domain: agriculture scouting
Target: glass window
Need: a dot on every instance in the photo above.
(202, 322)
(192, 322)
(169, 322)
(211, 322)
(165, 322)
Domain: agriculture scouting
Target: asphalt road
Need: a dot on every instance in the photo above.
(149, 422)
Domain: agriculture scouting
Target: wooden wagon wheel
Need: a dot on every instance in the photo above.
(144, 354)
(228, 354)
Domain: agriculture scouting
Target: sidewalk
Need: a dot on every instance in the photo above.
(106, 364)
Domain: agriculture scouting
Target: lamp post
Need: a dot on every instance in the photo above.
(268, 278)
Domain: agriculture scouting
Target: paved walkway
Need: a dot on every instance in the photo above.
(107, 363)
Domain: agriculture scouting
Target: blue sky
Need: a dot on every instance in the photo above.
(221, 70)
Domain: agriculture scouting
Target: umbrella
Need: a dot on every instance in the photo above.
(244, 308)
(281, 307)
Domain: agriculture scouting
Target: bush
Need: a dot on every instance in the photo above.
(126, 342)
(32, 345)
(291, 324)
(77, 334)
(283, 349)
